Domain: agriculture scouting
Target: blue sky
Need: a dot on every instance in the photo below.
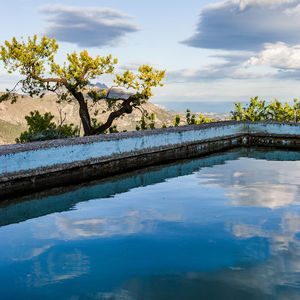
(212, 50)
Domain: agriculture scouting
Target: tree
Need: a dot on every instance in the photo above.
(259, 110)
(34, 60)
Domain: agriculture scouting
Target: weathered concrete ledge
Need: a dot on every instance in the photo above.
(33, 166)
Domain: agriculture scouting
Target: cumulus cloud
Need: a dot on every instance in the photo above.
(278, 55)
(87, 27)
(247, 25)
(243, 4)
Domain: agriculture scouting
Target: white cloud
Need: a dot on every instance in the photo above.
(278, 55)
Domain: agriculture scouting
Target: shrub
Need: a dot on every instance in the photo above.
(258, 110)
(42, 128)
(192, 119)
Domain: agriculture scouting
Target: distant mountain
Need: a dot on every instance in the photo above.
(99, 85)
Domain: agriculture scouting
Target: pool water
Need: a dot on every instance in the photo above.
(221, 227)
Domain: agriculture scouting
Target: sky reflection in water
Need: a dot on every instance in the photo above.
(228, 228)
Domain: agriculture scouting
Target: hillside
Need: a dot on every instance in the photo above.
(12, 121)
(12, 116)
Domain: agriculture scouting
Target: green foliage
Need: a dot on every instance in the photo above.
(177, 120)
(140, 84)
(42, 128)
(146, 122)
(259, 110)
(35, 60)
(283, 112)
(7, 96)
(113, 129)
(38, 122)
(192, 119)
(202, 119)
(96, 124)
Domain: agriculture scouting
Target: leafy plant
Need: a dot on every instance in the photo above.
(259, 110)
(146, 122)
(192, 119)
(42, 128)
(177, 121)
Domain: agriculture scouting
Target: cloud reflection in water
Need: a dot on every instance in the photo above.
(230, 230)
(256, 182)
(130, 222)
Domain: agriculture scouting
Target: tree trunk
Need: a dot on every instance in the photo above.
(83, 113)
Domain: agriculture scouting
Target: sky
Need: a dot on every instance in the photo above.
(211, 50)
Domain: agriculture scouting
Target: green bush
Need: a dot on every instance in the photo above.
(41, 128)
(192, 119)
(146, 122)
(258, 110)
(177, 121)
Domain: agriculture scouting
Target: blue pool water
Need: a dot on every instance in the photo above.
(221, 227)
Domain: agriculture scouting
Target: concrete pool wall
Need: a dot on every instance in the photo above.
(44, 164)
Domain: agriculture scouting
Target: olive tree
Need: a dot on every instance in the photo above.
(35, 60)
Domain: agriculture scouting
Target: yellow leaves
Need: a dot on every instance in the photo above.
(127, 80)
(97, 95)
(34, 58)
(141, 82)
(260, 111)
(83, 67)
(28, 56)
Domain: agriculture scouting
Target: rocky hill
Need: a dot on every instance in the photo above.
(12, 116)
(12, 121)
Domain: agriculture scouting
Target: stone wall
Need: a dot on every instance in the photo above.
(44, 164)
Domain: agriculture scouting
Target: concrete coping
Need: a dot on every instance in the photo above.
(14, 148)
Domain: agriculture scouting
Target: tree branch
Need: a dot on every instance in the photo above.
(109, 90)
(15, 86)
(125, 109)
(58, 80)
(84, 72)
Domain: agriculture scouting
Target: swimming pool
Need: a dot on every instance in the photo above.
(221, 227)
